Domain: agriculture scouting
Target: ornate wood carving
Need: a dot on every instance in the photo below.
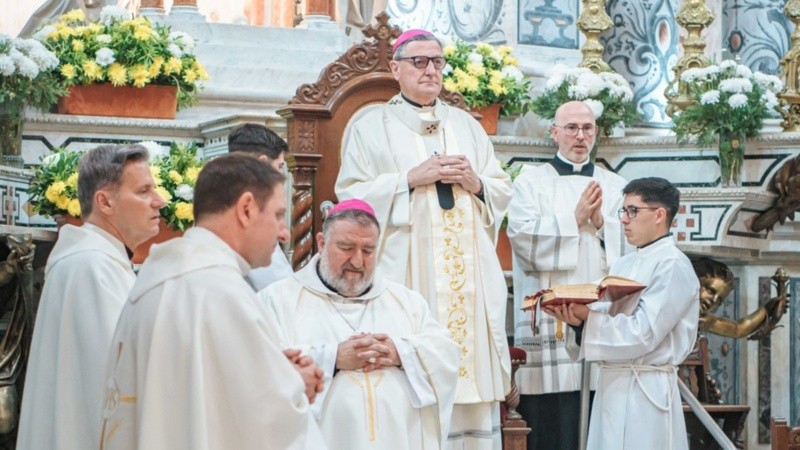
(787, 184)
(318, 115)
(764, 369)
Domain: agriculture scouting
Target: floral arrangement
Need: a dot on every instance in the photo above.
(26, 75)
(123, 51)
(607, 93)
(175, 173)
(485, 75)
(730, 98)
(54, 190)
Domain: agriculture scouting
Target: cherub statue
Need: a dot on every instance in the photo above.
(716, 282)
(16, 308)
(787, 184)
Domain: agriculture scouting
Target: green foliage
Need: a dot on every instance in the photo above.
(485, 75)
(26, 76)
(54, 189)
(123, 51)
(513, 170)
(607, 93)
(729, 98)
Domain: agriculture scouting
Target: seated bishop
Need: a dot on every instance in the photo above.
(390, 367)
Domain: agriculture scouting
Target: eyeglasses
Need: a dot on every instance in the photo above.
(421, 62)
(572, 129)
(633, 211)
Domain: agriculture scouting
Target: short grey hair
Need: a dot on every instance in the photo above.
(102, 167)
(400, 52)
(358, 216)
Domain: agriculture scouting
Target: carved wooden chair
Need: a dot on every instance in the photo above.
(515, 430)
(784, 437)
(695, 371)
(317, 118)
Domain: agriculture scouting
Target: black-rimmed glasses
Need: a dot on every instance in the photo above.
(421, 62)
(572, 129)
(633, 211)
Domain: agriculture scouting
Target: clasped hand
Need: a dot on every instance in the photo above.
(313, 377)
(452, 169)
(367, 352)
(590, 206)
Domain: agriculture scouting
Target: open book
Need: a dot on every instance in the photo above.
(612, 287)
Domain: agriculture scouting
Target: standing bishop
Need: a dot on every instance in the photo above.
(440, 197)
(389, 366)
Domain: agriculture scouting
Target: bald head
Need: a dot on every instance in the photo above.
(569, 109)
(574, 131)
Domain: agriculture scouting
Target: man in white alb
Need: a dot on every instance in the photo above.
(194, 361)
(563, 229)
(390, 368)
(440, 196)
(87, 279)
(639, 341)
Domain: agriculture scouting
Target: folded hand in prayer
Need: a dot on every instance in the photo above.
(312, 375)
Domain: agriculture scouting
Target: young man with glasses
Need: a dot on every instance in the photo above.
(563, 227)
(430, 172)
(640, 340)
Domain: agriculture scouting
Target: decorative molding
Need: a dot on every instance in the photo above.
(101, 121)
(473, 21)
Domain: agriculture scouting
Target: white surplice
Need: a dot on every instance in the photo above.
(87, 279)
(195, 362)
(550, 248)
(638, 344)
(408, 408)
(278, 269)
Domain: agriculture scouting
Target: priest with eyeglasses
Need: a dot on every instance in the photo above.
(563, 228)
(390, 367)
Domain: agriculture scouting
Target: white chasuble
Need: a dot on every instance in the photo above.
(195, 360)
(446, 255)
(638, 345)
(402, 409)
(87, 279)
(550, 248)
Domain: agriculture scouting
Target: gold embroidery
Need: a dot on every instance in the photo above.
(128, 398)
(455, 268)
(370, 393)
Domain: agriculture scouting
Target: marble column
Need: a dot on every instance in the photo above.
(643, 47)
(318, 14)
(152, 8)
(185, 10)
(757, 32)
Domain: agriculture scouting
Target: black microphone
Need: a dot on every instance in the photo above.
(445, 194)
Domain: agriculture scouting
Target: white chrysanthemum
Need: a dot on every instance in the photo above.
(182, 39)
(475, 57)
(4, 39)
(46, 59)
(448, 69)
(105, 56)
(689, 75)
(154, 149)
(770, 100)
(113, 13)
(554, 81)
(185, 192)
(7, 66)
(736, 85)
(710, 98)
(51, 159)
(175, 50)
(512, 72)
(743, 71)
(769, 82)
(592, 83)
(727, 64)
(710, 72)
(43, 32)
(596, 106)
(28, 68)
(578, 92)
(104, 39)
(737, 101)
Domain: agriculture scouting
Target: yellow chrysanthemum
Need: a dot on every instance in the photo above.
(68, 70)
(62, 202)
(76, 15)
(77, 45)
(117, 74)
(200, 70)
(155, 67)
(74, 208)
(483, 46)
(95, 27)
(184, 211)
(191, 174)
(175, 177)
(475, 68)
(66, 32)
(510, 61)
(83, 30)
(498, 88)
(72, 180)
(164, 194)
(504, 50)
(140, 75)
(92, 70)
(155, 171)
(190, 76)
(142, 32)
(470, 83)
(173, 65)
(449, 50)
(450, 85)
(54, 191)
